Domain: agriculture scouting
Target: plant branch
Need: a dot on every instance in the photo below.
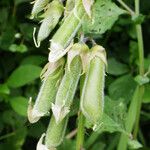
(141, 66)
(80, 132)
(126, 7)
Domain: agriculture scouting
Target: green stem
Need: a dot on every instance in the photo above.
(135, 106)
(141, 66)
(80, 132)
(90, 141)
(7, 136)
(129, 120)
(126, 7)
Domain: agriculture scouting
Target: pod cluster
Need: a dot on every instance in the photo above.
(61, 75)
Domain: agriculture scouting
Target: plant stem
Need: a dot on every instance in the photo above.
(126, 7)
(135, 106)
(129, 120)
(141, 66)
(80, 132)
(7, 136)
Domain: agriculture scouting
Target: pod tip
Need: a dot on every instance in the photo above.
(59, 112)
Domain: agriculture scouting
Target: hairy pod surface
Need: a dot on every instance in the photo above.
(92, 98)
(67, 89)
(69, 7)
(51, 18)
(66, 32)
(38, 6)
(46, 94)
(54, 135)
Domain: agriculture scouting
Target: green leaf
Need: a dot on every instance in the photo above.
(17, 140)
(138, 19)
(18, 48)
(12, 118)
(34, 60)
(122, 87)
(134, 144)
(133, 46)
(4, 89)
(116, 68)
(114, 116)
(146, 96)
(141, 79)
(109, 125)
(7, 37)
(19, 105)
(104, 15)
(23, 75)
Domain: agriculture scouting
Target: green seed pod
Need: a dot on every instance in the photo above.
(87, 6)
(92, 98)
(69, 7)
(38, 6)
(67, 89)
(66, 32)
(47, 92)
(51, 18)
(54, 135)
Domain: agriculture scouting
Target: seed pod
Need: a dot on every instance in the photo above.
(67, 89)
(38, 6)
(87, 6)
(69, 7)
(66, 32)
(51, 18)
(47, 92)
(54, 135)
(92, 98)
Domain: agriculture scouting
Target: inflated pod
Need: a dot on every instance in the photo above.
(67, 89)
(66, 32)
(87, 6)
(54, 135)
(51, 18)
(92, 98)
(38, 6)
(69, 7)
(47, 93)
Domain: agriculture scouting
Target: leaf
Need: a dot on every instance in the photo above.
(12, 118)
(141, 79)
(18, 48)
(113, 117)
(122, 87)
(7, 37)
(146, 96)
(23, 75)
(4, 89)
(116, 68)
(34, 60)
(17, 140)
(105, 13)
(19, 105)
(109, 125)
(134, 144)
(133, 46)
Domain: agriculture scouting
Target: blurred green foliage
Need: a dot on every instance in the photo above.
(21, 64)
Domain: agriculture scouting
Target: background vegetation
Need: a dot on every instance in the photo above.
(21, 64)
